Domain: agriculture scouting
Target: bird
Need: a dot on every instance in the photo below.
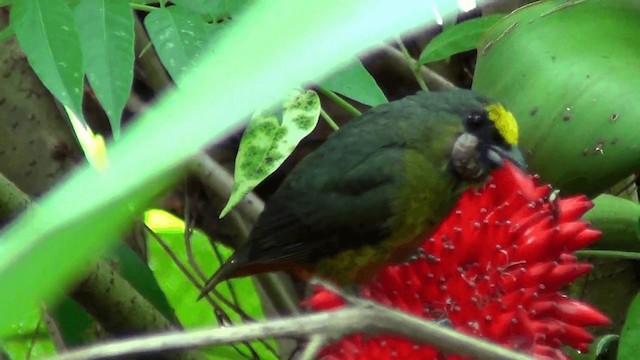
(370, 193)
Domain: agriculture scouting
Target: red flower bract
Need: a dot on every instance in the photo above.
(494, 268)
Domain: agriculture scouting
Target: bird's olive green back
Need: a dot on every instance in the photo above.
(380, 181)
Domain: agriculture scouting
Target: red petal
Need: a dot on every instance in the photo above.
(578, 313)
(583, 239)
(572, 209)
(576, 337)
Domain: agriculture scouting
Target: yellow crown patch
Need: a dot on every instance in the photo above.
(504, 121)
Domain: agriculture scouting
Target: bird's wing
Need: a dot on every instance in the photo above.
(310, 218)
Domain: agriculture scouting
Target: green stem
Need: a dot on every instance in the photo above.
(340, 101)
(142, 7)
(414, 66)
(329, 120)
(609, 254)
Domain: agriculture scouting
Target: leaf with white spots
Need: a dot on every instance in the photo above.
(269, 140)
(106, 35)
(179, 35)
(46, 33)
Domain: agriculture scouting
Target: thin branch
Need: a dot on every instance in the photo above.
(312, 349)
(433, 80)
(329, 120)
(371, 319)
(340, 101)
(415, 68)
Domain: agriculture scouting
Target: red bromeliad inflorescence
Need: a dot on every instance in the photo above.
(495, 269)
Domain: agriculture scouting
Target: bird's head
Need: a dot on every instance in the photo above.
(490, 136)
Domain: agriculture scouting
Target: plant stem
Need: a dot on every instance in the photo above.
(142, 7)
(629, 255)
(415, 68)
(340, 101)
(329, 120)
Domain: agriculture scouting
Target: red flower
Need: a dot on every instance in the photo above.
(494, 268)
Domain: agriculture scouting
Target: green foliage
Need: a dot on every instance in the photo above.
(46, 33)
(216, 9)
(269, 140)
(178, 35)
(567, 79)
(105, 28)
(75, 325)
(457, 38)
(355, 82)
(29, 337)
(182, 293)
(630, 336)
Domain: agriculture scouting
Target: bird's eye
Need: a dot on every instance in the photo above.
(475, 121)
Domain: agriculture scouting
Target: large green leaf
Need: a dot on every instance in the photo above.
(179, 36)
(269, 140)
(630, 336)
(106, 34)
(77, 225)
(355, 82)
(567, 70)
(47, 35)
(457, 38)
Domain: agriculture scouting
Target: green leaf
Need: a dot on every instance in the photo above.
(78, 225)
(573, 98)
(202, 7)
(355, 82)
(6, 33)
(179, 36)
(457, 38)
(269, 140)
(75, 325)
(630, 335)
(106, 34)
(138, 274)
(29, 338)
(46, 33)
(182, 293)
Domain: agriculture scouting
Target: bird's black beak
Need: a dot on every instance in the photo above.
(497, 154)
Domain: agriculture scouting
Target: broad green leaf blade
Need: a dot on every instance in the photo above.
(268, 141)
(202, 7)
(30, 338)
(216, 9)
(212, 103)
(138, 274)
(179, 36)
(106, 35)
(355, 82)
(457, 38)
(181, 293)
(563, 69)
(47, 35)
(630, 336)
(75, 325)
